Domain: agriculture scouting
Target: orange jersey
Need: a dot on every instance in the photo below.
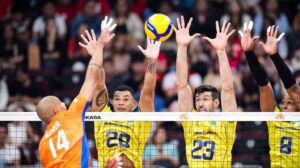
(64, 143)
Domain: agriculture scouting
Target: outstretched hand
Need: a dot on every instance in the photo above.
(183, 36)
(220, 41)
(247, 41)
(271, 45)
(152, 50)
(106, 29)
(90, 42)
(105, 36)
(115, 162)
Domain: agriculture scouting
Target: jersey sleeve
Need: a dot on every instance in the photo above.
(79, 106)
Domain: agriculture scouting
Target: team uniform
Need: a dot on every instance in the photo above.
(126, 137)
(209, 143)
(64, 143)
(284, 142)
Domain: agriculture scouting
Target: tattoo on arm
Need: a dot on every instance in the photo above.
(101, 99)
(151, 67)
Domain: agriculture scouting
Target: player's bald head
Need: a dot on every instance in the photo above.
(48, 107)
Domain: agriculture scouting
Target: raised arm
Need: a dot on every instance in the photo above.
(183, 39)
(267, 98)
(284, 72)
(146, 102)
(95, 49)
(219, 43)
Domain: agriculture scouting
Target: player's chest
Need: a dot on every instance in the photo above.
(208, 128)
(288, 128)
(131, 128)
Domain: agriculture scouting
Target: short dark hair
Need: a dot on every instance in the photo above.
(125, 88)
(206, 88)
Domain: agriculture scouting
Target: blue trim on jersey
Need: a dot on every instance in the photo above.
(85, 146)
(153, 30)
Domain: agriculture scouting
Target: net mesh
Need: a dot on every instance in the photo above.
(166, 139)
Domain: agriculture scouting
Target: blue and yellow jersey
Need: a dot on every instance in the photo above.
(209, 143)
(64, 143)
(284, 142)
(126, 137)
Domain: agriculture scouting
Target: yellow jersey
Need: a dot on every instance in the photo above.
(284, 143)
(209, 143)
(126, 137)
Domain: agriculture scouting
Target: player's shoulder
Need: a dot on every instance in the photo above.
(79, 104)
(80, 100)
(108, 108)
(276, 109)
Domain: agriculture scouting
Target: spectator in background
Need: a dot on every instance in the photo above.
(19, 22)
(66, 9)
(88, 17)
(250, 95)
(51, 47)
(30, 149)
(293, 37)
(17, 130)
(5, 9)
(102, 7)
(295, 61)
(25, 136)
(75, 52)
(235, 14)
(3, 91)
(137, 69)
(166, 7)
(272, 11)
(199, 59)
(119, 52)
(160, 151)
(22, 88)
(112, 80)
(12, 51)
(169, 84)
(213, 77)
(30, 8)
(204, 18)
(129, 21)
(9, 154)
(139, 7)
(39, 28)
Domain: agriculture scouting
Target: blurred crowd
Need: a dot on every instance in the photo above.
(40, 55)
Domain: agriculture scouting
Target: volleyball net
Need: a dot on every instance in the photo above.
(166, 139)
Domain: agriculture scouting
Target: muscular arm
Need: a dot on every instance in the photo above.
(185, 94)
(219, 43)
(93, 74)
(270, 48)
(146, 102)
(183, 39)
(227, 91)
(287, 78)
(100, 97)
(100, 94)
(96, 87)
(267, 98)
(266, 94)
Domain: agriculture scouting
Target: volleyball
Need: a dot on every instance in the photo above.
(158, 27)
